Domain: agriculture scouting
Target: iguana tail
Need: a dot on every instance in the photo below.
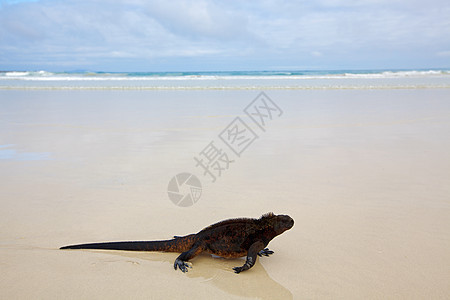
(178, 244)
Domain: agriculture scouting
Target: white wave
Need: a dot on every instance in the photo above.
(235, 87)
(37, 80)
(92, 76)
(16, 74)
(26, 74)
(398, 74)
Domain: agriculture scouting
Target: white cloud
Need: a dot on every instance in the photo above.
(100, 33)
(444, 53)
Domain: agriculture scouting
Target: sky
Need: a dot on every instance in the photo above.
(209, 35)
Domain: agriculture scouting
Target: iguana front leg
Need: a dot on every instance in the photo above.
(252, 254)
(181, 261)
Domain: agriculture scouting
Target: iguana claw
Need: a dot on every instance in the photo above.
(182, 265)
(265, 252)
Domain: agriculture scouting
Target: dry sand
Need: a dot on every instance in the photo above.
(364, 173)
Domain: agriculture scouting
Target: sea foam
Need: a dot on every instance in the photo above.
(341, 79)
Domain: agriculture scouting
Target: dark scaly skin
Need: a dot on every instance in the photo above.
(230, 239)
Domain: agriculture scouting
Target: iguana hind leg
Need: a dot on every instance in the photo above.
(181, 261)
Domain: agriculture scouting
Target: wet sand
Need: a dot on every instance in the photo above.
(364, 173)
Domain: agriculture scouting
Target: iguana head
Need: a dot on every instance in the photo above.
(280, 223)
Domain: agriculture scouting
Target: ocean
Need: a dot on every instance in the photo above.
(251, 80)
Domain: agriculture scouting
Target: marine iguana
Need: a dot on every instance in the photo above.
(230, 239)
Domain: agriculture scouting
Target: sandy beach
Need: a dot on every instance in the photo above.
(364, 173)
